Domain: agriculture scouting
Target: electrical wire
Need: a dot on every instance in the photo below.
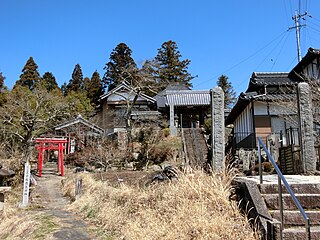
(309, 37)
(277, 57)
(271, 51)
(242, 61)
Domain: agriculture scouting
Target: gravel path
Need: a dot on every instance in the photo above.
(47, 196)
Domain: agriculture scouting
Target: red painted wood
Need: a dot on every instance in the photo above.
(51, 144)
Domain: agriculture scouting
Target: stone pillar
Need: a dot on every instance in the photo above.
(217, 127)
(173, 129)
(308, 155)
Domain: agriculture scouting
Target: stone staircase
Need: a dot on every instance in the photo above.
(196, 147)
(308, 195)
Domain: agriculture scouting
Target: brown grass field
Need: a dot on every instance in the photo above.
(196, 206)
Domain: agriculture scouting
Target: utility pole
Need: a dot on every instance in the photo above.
(296, 18)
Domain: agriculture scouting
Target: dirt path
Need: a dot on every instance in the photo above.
(47, 197)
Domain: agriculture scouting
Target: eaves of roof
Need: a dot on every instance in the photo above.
(123, 85)
(240, 105)
(295, 73)
(77, 120)
(259, 79)
(244, 101)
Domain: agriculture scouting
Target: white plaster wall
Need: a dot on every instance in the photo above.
(243, 125)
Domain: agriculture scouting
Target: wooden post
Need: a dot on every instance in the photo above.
(40, 160)
(60, 159)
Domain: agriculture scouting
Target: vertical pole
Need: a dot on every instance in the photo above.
(308, 229)
(280, 203)
(40, 160)
(296, 19)
(260, 165)
(61, 158)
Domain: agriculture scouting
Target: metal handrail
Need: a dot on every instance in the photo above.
(283, 179)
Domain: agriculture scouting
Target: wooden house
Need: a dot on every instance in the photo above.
(114, 106)
(77, 131)
(268, 105)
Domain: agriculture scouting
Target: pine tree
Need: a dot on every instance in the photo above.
(171, 68)
(30, 76)
(229, 93)
(94, 88)
(76, 83)
(49, 81)
(121, 67)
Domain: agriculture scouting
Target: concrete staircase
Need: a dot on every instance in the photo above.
(308, 194)
(259, 202)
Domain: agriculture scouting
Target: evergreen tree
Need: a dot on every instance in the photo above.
(49, 81)
(121, 67)
(64, 89)
(229, 93)
(30, 76)
(171, 68)
(76, 83)
(2, 89)
(148, 74)
(94, 88)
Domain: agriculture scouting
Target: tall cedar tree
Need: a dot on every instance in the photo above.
(2, 88)
(49, 81)
(94, 88)
(171, 68)
(30, 76)
(76, 83)
(121, 67)
(229, 93)
(149, 75)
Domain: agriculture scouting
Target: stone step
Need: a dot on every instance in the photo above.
(299, 233)
(294, 217)
(307, 201)
(296, 188)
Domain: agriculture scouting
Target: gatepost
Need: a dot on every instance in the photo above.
(217, 129)
(308, 154)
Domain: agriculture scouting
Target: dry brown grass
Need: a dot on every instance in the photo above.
(195, 207)
(17, 223)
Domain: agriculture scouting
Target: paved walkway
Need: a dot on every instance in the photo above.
(52, 202)
(291, 179)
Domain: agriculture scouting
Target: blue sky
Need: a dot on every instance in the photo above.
(228, 37)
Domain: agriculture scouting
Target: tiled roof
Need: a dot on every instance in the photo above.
(307, 59)
(188, 98)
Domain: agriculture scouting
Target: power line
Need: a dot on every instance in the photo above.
(242, 61)
(271, 51)
(274, 62)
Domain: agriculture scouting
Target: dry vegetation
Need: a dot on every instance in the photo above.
(17, 223)
(195, 207)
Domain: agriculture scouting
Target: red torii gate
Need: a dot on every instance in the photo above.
(51, 144)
